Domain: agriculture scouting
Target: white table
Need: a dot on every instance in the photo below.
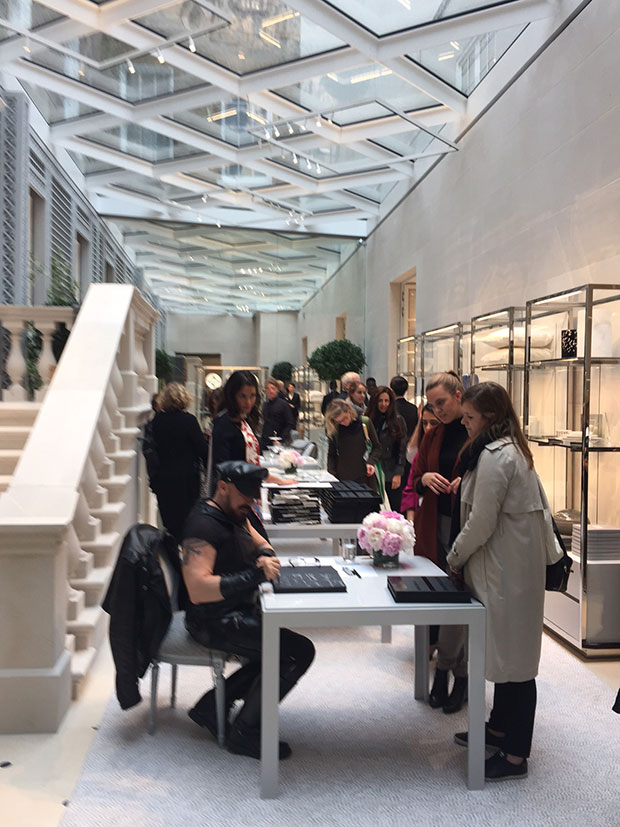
(367, 602)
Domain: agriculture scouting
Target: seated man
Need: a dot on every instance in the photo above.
(224, 561)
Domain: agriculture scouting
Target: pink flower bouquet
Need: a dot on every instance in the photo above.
(385, 535)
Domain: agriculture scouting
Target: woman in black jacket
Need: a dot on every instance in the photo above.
(392, 432)
(354, 446)
(181, 449)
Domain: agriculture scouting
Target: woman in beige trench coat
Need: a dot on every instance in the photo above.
(505, 536)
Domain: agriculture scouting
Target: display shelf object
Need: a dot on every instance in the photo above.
(572, 421)
(498, 351)
(441, 349)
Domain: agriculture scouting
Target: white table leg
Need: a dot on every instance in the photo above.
(335, 546)
(420, 664)
(386, 634)
(269, 708)
(476, 703)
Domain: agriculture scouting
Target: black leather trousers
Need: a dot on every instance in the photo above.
(240, 633)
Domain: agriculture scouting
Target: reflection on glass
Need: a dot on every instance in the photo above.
(24, 15)
(463, 63)
(54, 107)
(412, 141)
(229, 121)
(394, 15)
(142, 143)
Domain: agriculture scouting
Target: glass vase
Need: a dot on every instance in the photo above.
(384, 561)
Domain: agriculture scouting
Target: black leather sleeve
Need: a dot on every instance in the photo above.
(243, 581)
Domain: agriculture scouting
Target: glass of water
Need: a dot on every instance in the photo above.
(347, 551)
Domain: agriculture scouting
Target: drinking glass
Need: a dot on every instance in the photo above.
(348, 552)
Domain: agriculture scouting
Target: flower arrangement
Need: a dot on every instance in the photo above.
(385, 535)
(290, 460)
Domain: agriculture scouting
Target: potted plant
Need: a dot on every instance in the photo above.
(384, 536)
(334, 358)
(282, 371)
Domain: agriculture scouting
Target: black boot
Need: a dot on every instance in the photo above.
(439, 692)
(244, 735)
(235, 687)
(457, 697)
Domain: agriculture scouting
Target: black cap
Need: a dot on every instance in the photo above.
(243, 475)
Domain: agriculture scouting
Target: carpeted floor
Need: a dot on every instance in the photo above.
(365, 754)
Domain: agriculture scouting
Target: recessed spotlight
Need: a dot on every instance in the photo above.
(240, 56)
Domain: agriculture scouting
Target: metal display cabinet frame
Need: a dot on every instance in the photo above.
(508, 373)
(572, 422)
(450, 339)
(408, 356)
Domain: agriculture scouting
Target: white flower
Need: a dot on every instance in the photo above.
(375, 538)
(395, 526)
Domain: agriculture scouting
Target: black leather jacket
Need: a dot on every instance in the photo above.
(139, 606)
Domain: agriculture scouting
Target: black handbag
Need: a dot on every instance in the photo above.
(557, 574)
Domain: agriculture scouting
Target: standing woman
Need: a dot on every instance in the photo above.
(504, 541)
(181, 449)
(431, 479)
(357, 396)
(410, 500)
(392, 432)
(346, 455)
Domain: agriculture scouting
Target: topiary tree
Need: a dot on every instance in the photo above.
(333, 359)
(283, 371)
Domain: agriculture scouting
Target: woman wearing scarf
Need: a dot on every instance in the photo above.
(503, 533)
(348, 457)
(392, 432)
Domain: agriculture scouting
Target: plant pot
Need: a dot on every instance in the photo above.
(384, 561)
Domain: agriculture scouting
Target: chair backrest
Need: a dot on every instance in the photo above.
(172, 581)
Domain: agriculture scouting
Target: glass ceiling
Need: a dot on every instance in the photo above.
(271, 136)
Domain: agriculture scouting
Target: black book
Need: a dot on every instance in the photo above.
(427, 590)
(308, 579)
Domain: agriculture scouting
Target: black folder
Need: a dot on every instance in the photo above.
(308, 579)
(427, 590)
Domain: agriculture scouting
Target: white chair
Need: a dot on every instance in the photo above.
(179, 648)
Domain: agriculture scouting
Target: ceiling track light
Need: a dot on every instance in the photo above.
(290, 129)
(308, 164)
(159, 56)
(319, 122)
(27, 46)
(81, 72)
(276, 131)
(131, 67)
(318, 168)
(204, 198)
(191, 45)
(295, 159)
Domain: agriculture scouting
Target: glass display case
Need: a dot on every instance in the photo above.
(311, 391)
(409, 356)
(572, 422)
(497, 344)
(441, 350)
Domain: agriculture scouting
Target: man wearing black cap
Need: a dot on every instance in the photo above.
(224, 561)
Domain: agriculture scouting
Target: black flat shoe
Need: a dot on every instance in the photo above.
(457, 697)
(439, 691)
(247, 742)
(490, 740)
(205, 719)
(499, 768)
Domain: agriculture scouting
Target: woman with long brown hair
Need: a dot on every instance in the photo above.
(503, 539)
(392, 432)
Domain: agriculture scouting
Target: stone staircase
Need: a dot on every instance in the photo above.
(16, 421)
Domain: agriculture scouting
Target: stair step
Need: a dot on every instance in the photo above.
(127, 437)
(84, 566)
(94, 585)
(19, 413)
(81, 663)
(14, 436)
(5, 480)
(8, 460)
(122, 460)
(109, 515)
(88, 627)
(70, 644)
(104, 548)
(116, 486)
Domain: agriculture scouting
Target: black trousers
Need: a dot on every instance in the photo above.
(514, 709)
(240, 633)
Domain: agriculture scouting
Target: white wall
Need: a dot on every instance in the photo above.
(530, 204)
(231, 336)
(277, 338)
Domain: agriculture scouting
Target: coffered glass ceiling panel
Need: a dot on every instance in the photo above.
(228, 121)
(376, 192)
(87, 165)
(24, 15)
(236, 176)
(322, 161)
(340, 90)
(56, 108)
(260, 35)
(142, 143)
(386, 16)
(150, 79)
(463, 63)
(317, 204)
(151, 187)
(413, 141)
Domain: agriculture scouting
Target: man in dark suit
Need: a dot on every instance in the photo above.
(333, 394)
(277, 416)
(294, 402)
(409, 412)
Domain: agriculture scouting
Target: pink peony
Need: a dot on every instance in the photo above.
(375, 538)
(379, 522)
(391, 544)
(362, 538)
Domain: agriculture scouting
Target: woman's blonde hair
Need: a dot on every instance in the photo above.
(174, 397)
(449, 381)
(336, 408)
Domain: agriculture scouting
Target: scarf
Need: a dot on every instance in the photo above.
(468, 462)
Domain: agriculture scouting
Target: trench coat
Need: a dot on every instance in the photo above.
(505, 541)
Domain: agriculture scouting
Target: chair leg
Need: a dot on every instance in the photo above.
(173, 686)
(153, 709)
(220, 702)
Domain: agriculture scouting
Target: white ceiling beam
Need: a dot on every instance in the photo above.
(428, 83)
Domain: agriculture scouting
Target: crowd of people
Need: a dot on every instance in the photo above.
(458, 466)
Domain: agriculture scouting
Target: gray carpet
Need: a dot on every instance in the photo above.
(364, 753)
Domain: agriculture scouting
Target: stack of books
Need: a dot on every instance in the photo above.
(603, 543)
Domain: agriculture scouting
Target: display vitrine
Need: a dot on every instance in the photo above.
(572, 422)
(311, 391)
(409, 357)
(441, 350)
(498, 351)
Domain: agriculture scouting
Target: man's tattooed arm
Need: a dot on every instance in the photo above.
(192, 547)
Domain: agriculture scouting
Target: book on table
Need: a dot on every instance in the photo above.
(308, 579)
(420, 589)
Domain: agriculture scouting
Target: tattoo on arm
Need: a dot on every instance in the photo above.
(192, 547)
